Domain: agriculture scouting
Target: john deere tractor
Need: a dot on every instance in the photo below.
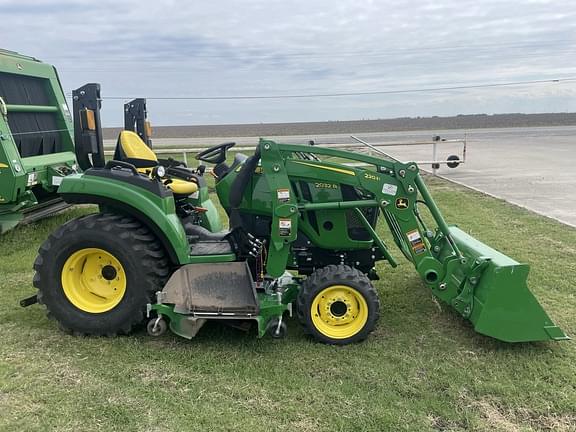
(302, 240)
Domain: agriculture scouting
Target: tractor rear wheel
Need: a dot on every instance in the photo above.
(338, 305)
(97, 273)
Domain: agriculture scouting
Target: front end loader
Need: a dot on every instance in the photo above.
(302, 239)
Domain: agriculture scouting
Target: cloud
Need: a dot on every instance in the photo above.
(228, 47)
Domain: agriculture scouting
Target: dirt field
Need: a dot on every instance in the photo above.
(360, 126)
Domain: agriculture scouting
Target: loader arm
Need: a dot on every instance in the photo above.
(483, 285)
(393, 186)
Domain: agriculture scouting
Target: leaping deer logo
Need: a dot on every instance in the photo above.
(401, 203)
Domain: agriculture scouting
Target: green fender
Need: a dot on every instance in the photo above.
(158, 213)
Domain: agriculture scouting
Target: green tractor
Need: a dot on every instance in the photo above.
(302, 240)
(36, 140)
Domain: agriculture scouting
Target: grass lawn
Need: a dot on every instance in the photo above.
(423, 369)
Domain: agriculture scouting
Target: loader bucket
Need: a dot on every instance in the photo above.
(502, 306)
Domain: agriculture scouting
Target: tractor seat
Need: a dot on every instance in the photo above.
(130, 148)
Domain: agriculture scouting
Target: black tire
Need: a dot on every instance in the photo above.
(156, 327)
(273, 330)
(140, 254)
(334, 275)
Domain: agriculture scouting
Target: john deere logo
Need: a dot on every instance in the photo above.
(402, 203)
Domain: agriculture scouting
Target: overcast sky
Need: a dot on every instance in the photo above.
(157, 48)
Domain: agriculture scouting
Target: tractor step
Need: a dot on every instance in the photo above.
(216, 289)
(218, 247)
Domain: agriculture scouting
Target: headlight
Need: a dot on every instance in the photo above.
(160, 171)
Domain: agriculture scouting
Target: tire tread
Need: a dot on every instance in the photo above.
(141, 241)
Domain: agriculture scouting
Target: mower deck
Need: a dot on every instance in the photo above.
(212, 289)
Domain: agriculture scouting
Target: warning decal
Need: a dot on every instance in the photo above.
(283, 195)
(389, 189)
(416, 242)
(284, 227)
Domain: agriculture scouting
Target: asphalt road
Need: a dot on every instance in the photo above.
(531, 167)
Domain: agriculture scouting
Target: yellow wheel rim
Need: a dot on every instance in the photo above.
(93, 280)
(339, 312)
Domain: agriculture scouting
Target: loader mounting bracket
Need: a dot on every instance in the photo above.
(464, 302)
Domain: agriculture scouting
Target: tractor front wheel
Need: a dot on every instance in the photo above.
(338, 305)
(96, 274)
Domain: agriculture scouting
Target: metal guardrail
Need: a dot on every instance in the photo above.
(434, 162)
(452, 161)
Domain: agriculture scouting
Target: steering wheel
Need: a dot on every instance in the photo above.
(216, 154)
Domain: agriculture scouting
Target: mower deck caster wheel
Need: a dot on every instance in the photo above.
(277, 332)
(156, 327)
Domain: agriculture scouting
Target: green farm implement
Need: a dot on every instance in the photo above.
(303, 239)
(38, 136)
(36, 143)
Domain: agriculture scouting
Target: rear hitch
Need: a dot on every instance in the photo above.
(29, 301)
